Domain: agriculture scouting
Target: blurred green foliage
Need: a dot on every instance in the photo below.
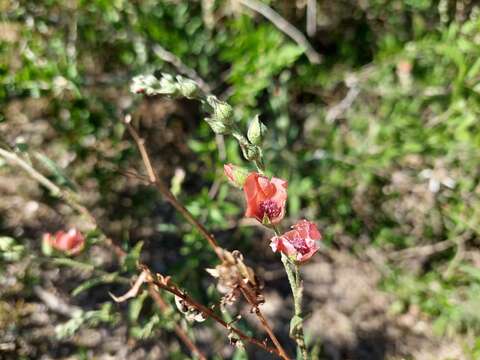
(380, 143)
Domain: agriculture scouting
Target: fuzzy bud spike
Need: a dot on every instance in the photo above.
(187, 87)
(222, 111)
(256, 131)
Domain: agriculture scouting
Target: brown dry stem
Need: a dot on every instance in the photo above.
(163, 189)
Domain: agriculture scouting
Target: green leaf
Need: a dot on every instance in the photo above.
(73, 263)
(256, 131)
(10, 250)
(131, 260)
(103, 279)
(135, 306)
(147, 329)
(294, 324)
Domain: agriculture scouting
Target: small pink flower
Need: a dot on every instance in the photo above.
(71, 242)
(265, 197)
(300, 243)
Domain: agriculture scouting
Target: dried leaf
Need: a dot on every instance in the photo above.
(134, 290)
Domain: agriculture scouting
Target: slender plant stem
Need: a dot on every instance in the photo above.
(296, 285)
(296, 325)
(173, 289)
(283, 25)
(163, 189)
(164, 307)
(246, 293)
(298, 301)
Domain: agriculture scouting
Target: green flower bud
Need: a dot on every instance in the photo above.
(144, 84)
(218, 127)
(256, 131)
(221, 110)
(251, 152)
(167, 85)
(187, 87)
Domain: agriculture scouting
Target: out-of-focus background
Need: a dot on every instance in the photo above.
(380, 143)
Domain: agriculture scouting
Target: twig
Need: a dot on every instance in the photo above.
(13, 158)
(155, 180)
(55, 303)
(460, 243)
(284, 26)
(166, 285)
(164, 307)
(311, 17)
(251, 300)
(163, 189)
(336, 111)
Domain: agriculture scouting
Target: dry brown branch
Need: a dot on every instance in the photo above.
(164, 307)
(162, 188)
(165, 284)
(246, 292)
(284, 26)
(14, 159)
(165, 191)
(345, 104)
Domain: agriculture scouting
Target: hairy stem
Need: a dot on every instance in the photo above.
(296, 325)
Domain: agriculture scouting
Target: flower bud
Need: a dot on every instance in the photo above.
(187, 88)
(235, 174)
(71, 242)
(217, 126)
(256, 131)
(251, 152)
(150, 85)
(167, 85)
(222, 111)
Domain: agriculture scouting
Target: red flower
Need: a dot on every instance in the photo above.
(265, 198)
(300, 243)
(71, 242)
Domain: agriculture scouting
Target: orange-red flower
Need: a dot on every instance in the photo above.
(300, 243)
(265, 198)
(71, 242)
